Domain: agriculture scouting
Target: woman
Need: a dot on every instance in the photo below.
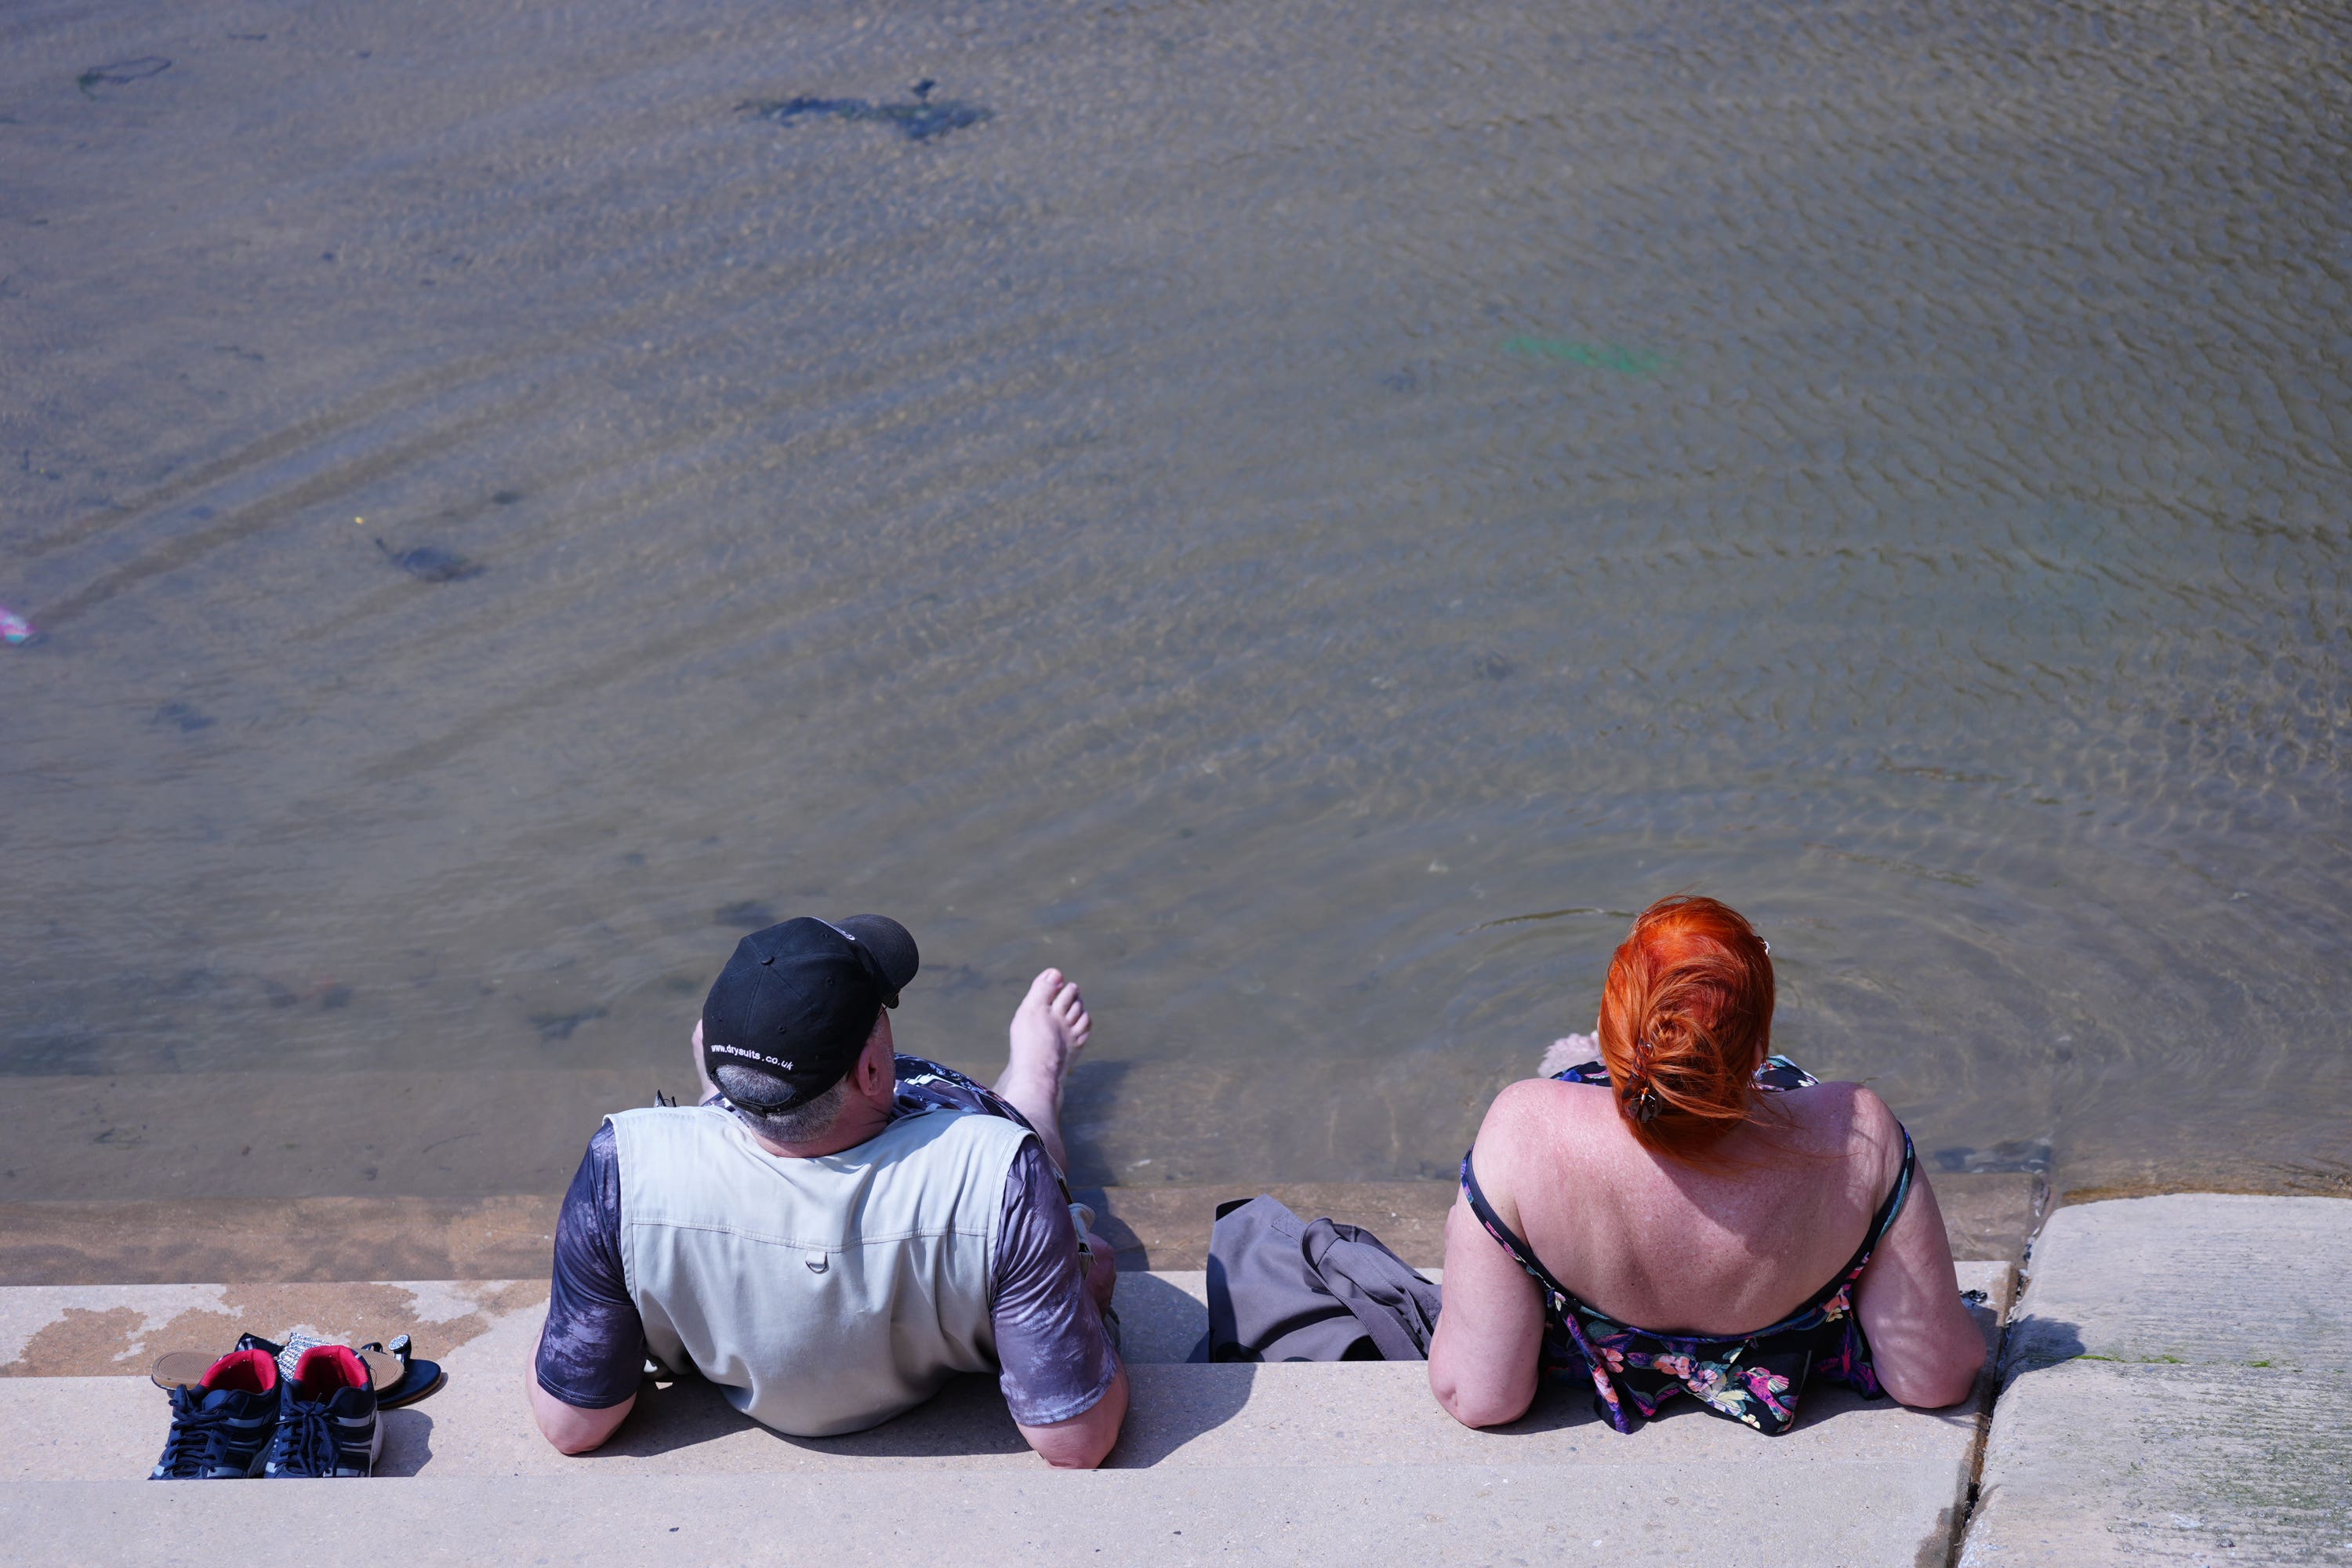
(1760, 1228)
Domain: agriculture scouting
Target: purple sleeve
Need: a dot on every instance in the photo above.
(1056, 1358)
(593, 1351)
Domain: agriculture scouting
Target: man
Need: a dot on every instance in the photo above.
(836, 1229)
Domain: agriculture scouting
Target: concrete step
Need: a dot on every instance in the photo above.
(113, 1330)
(1298, 1462)
(1164, 1227)
(2177, 1388)
(1618, 1514)
(82, 1330)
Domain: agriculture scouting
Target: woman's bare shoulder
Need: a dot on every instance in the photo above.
(1543, 1104)
(1537, 1122)
(1842, 1103)
(1847, 1118)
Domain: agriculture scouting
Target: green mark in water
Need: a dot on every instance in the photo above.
(1592, 356)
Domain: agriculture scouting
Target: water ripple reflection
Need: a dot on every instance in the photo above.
(1278, 519)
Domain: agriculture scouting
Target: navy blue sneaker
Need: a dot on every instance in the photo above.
(327, 1423)
(222, 1426)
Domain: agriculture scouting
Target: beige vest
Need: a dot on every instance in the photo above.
(824, 1295)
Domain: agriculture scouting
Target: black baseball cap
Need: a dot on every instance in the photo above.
(794, 1004)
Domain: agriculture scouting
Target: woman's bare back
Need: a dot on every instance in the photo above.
(1675, 1247)
(1667, 1246)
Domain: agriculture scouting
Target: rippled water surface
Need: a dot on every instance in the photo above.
(1307, 515)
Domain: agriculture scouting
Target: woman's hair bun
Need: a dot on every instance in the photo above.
(1684, 1021)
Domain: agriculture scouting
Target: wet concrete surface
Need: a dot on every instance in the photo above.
(291, 1240)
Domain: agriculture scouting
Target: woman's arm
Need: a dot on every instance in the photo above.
(1484, 1362)
(1927, 1348)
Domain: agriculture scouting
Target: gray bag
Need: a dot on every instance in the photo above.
(1281, 1289)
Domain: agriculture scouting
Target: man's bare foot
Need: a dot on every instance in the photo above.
(1569, 1050)
(1049, 1029)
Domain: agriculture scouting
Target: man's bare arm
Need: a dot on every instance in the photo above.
(1083, 1441)
(572, 1429)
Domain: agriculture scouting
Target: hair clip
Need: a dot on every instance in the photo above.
(1646, 1105)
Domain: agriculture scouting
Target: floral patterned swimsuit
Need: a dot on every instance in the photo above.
(1754, 1378)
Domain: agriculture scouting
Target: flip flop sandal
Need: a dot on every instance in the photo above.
(186, 1369)
(424, 1380)
(418, 1379)
(182, 1369)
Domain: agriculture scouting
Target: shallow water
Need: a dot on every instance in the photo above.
(1306, 517)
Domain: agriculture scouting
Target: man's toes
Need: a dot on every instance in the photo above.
(1041, 989)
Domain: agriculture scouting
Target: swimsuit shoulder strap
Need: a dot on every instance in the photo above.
(1889, 1211)
(1505, 1236)
(1892, 1209)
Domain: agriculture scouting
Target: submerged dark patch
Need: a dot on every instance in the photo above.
(918, 120)
(188, 719)
(121, 73)
(559, 1025)
(431, 564)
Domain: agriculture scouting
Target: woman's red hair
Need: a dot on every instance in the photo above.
(1685, 1022)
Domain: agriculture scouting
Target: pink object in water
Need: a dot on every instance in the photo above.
(16, 628)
